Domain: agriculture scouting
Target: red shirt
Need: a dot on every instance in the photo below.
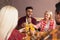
(16, 35)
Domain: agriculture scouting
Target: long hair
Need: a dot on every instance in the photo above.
(8, 20)
(50, 14)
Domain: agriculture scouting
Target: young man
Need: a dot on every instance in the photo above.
(57, 18)
(25, 19)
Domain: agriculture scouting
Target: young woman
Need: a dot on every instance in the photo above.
(47, 23)
(8, 22)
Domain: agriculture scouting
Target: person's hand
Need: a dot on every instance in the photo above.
(23, 25)
(22, 30)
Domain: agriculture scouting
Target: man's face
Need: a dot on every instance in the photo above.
(57, 18)
(29, 12)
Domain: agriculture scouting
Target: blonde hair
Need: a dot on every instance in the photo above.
(50, 13)
(8, 20)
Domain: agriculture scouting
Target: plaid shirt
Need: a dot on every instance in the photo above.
(42, 24)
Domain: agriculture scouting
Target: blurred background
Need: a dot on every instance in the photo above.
(40, 6)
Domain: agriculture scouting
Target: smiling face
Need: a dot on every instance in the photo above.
(57, 13)
(57, 17)
(29, 12)
(46, 15)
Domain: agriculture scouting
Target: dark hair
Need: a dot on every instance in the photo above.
(57, 7)
(29, 8)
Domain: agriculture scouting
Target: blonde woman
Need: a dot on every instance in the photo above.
(8, 21)
(47, 23)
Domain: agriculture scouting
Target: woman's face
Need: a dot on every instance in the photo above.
(47, 16)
